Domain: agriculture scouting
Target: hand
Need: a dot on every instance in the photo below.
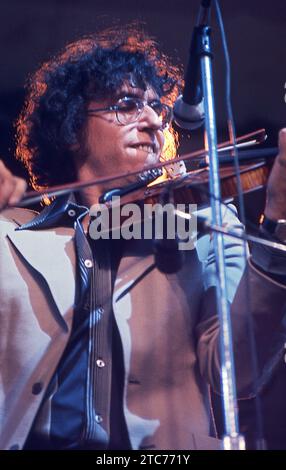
(276, 188)
(12, 188)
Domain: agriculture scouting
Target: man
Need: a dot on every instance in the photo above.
(99, 349)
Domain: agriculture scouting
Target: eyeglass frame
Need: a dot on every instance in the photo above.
(140, 105)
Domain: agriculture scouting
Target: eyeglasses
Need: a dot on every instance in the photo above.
(128, 110)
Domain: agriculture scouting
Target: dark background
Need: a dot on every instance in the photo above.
(32, 30)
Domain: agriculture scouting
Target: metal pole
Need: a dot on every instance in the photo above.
(232, 439)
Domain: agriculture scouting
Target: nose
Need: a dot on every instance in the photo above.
(149, 119)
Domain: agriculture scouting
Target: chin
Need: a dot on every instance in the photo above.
(152, 159)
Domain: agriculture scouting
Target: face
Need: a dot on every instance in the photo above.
(111, 147)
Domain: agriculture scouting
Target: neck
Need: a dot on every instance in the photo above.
(90, 195)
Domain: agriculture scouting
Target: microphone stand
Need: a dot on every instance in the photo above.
(232, 440)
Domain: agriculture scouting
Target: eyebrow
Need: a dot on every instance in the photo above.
(134, 94)
(130, 94)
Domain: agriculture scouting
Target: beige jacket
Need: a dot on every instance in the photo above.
(167, 324)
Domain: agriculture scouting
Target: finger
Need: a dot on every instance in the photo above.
(19, 191)
(276, 188)
(282, 147)
(282, 136)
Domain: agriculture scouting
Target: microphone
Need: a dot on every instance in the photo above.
(189, 107)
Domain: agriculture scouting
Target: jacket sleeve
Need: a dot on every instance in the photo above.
(257, 306)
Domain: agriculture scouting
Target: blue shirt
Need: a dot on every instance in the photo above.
(86, 389)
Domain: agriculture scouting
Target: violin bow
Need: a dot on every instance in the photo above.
(246, 140)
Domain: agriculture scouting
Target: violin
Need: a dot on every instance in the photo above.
(193, 188)
(188, 188)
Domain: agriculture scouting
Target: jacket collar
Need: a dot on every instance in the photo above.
(61, 212)
(51, 252)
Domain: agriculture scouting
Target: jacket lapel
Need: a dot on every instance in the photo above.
(51, 253)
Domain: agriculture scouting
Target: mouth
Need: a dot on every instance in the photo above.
(147, 148)
(151, 151)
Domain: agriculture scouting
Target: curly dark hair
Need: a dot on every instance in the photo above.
(94, 67)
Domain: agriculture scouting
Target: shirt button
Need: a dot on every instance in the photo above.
(37, 388)
(98, 419)
(100, 363)
(88, 263)
(71, 212)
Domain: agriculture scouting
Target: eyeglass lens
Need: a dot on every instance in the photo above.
(129, 109)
